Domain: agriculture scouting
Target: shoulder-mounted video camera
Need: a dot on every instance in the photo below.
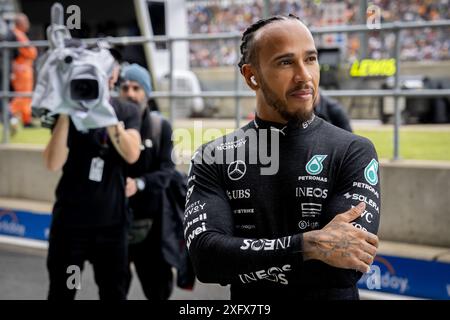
(73, 79)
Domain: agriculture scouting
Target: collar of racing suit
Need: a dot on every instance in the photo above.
(284, 129)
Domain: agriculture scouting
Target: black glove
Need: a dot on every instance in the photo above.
(47, 121)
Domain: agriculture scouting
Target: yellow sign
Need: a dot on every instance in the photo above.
(373, 68)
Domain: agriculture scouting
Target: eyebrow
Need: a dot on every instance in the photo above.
(290, 55)
(310, 52)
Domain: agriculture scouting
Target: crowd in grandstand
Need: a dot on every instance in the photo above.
(235, 15)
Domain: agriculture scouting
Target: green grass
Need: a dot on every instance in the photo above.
(420, 145)
(417, 145)
(36, 136)
(414, 144)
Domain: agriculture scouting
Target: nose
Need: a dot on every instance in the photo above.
(302, 74)
(128, 92)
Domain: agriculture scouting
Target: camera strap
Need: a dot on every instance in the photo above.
(156, 124)
(104, 143)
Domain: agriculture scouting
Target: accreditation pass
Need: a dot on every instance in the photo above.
(96, 172)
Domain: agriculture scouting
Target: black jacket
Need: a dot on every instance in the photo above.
(163, 197)
(331, 111)
(155, 166)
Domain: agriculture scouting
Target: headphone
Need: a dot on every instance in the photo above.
(252, 80)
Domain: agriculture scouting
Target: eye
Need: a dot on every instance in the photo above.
(285, 62)
(311, 59)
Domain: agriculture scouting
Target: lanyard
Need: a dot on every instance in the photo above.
(104, 143)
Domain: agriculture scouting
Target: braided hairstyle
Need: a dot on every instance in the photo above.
(247, 47)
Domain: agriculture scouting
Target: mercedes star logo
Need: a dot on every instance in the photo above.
(236, 170)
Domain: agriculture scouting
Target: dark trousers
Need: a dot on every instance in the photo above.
(106, 248)
(154, 273)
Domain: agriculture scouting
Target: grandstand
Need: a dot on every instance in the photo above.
(227, 16)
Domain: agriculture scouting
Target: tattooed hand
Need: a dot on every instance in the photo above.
(340, 244)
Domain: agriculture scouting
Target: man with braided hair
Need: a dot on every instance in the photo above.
(305, 230)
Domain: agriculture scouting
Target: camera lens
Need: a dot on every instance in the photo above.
(84, 89)
(68, 59)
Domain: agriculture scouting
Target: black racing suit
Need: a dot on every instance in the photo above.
(243, 225)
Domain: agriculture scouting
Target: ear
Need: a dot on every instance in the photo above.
(250, 77)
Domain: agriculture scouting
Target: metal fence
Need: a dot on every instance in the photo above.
(237, 93)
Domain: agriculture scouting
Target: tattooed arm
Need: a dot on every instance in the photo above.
(341, 245)
(349, 240)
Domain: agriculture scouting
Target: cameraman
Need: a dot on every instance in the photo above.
(90, 215)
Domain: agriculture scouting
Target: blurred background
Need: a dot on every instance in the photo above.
(190, 48)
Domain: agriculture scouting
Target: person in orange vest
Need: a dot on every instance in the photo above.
(22, 71)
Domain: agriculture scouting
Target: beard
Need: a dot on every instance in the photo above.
(296, 117)
(142, 105)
